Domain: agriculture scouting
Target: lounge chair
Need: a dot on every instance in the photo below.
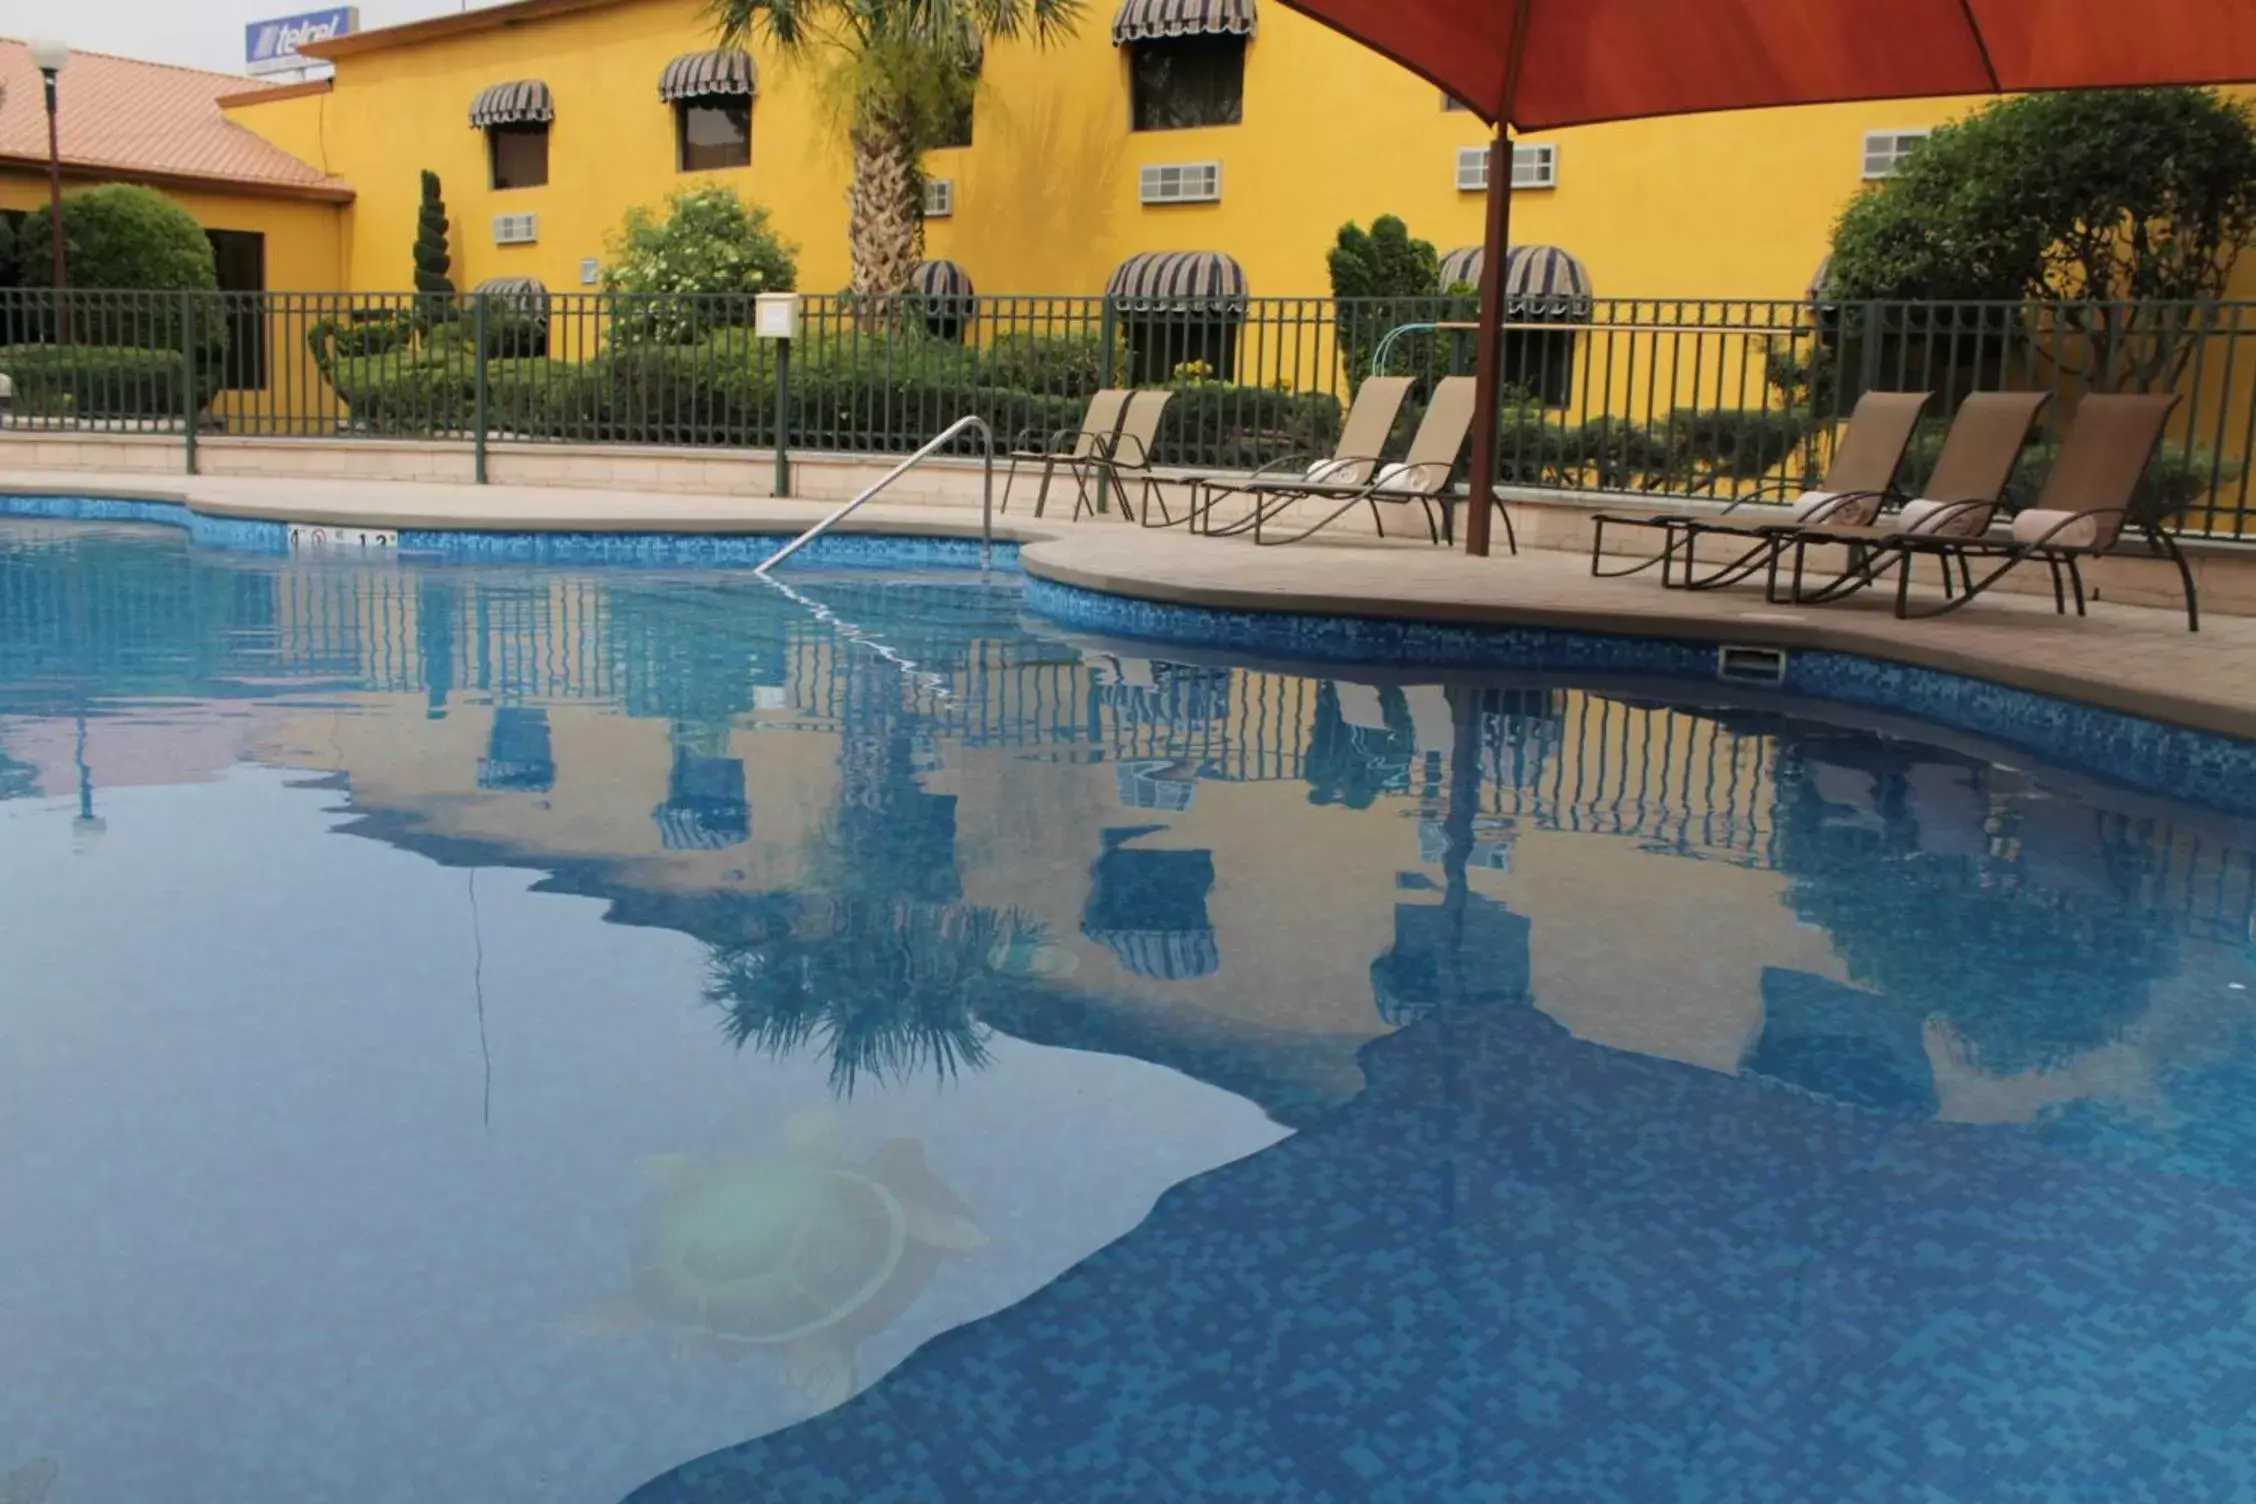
(1353, 461)
(2086, 502)
(1068, 446)
(1126, 456)
(1959, 500)
(1423, 475)
(1860, 478)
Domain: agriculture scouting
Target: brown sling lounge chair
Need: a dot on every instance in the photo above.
(1860, 478)
(1423, 476)
(2086, 502)
(1068, 446)
(1959, 500)
(1354, 460)
(1126, 456)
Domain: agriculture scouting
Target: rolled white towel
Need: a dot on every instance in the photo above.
(2033, 526)
(1942, 519)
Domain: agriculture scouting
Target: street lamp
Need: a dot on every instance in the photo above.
(50, 57)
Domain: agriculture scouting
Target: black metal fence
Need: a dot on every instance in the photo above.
(1663, 397)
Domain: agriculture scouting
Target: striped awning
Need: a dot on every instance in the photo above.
(1819, 278)
(1157, 20)
(1163, 955)
(722, 73)
(524, 102)
(527, 297)
(1540, 281)
(1179, 282)
(942, 281)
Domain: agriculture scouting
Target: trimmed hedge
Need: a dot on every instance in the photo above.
(94, 381)
(722, 391)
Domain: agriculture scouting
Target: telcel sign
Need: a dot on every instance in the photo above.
(272, 46)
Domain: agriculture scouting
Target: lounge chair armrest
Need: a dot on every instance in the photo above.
(2044, 539)
(1112, 452)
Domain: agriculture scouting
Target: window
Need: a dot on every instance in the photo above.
(1188, 81)
(1532, 167)
(1181, 183)
(239, 257)
(939, 198)
(1885, 151)
(519, 154)
(713, 132)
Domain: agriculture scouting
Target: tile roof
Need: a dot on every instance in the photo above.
(130, 119)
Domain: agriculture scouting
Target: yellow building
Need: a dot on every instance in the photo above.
(1058, 186)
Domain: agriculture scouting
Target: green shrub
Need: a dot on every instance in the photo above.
(434, 302)
(1220, 427)
(711, 245)
(1708, 445)
(1070, 365)
(120, 237)
(1382, 279)
(94, 381)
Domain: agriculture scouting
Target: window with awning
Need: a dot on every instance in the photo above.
(711, 93)
(1186, 60)
(515, 117)
(1542, 285)
(1178, 311)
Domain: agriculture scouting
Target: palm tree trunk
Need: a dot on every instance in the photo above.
(885, 227)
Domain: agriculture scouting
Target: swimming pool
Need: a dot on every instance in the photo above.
(525, 1032)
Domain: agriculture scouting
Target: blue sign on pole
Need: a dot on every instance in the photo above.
(272, 46)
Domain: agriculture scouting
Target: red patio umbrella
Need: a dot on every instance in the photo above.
(1543, 64)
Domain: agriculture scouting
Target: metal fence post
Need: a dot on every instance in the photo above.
(478, 341)
(190, 408)
(783, 418)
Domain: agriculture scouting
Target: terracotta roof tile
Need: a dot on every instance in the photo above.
(129, 117)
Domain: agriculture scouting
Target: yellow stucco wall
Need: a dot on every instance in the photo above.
(1733, 205)
(304, 240)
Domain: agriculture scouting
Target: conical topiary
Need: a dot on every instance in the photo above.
(434, 289)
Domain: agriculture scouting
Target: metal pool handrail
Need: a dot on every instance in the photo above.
(986, 506)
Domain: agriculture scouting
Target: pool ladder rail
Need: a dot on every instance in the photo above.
(946, 436)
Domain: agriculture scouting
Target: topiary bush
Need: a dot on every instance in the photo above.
(1069, 365)
(120, 237)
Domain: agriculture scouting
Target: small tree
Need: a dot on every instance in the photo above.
(1381, 279)
(2101, 201)
(712, 247)
(433, 287)
(120, 237)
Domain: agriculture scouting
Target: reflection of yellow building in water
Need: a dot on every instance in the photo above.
(1240, 873)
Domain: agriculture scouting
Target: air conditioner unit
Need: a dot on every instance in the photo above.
(1532, 167)
(1885, 151)
(516, 229)
(1535, 166)
(1182, 183)
(939, 198)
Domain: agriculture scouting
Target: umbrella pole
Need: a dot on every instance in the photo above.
(1488, 372)
(1488, 379)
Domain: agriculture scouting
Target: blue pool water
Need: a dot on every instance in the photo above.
(515, 1033)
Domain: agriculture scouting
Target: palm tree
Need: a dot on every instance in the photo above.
(899, 72)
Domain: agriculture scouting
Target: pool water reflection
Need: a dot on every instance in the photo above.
(509, 1034)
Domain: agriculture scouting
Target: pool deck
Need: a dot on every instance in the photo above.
(2133, 659)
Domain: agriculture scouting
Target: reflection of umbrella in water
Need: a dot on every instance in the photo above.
(705, 808)
(1839, 1042)
(1149, 908)
(519, 757)
(1474, 956)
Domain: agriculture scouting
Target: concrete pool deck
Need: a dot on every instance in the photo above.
(2137, 660)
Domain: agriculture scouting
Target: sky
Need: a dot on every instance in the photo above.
(195, 33)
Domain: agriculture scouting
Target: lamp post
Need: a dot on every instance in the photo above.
(50, 57)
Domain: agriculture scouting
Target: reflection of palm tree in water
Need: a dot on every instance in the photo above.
(877, 961)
